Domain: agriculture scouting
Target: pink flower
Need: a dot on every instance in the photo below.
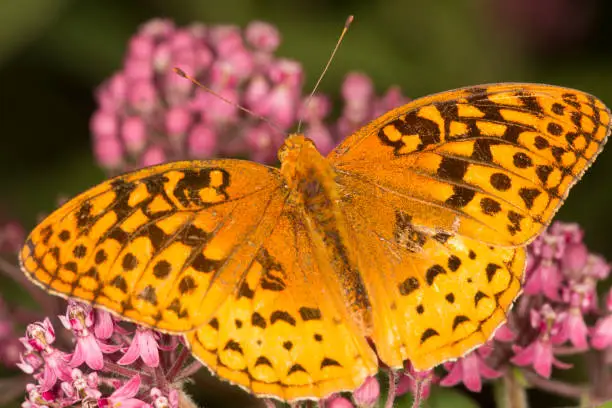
(368, 393)
(144, 345)
(505, 334)
(161, 401)
(338, 402)
(416, 382)
(148, 114)
(580, 298)
(104, 324)
(123, 397)
(544, 278)
(29, 361)
(601, 334)
(40, 336)
(82, 386)
(80, 319)
(262, 36)
(539, 353)
(470, 370)
(574, 260)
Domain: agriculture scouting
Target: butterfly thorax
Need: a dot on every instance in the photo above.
(313, 191)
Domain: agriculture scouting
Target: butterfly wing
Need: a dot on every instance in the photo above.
(444, 192)
(492, 163)
(282, 333)
(162, 246)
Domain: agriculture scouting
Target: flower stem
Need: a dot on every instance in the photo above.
(392, 388)
(555, 386)
(178, 364)
(509, 393)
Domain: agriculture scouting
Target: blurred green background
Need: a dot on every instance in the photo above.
(54, 53)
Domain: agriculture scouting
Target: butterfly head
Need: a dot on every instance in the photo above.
(294, 149)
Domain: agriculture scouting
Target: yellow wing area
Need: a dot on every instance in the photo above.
(435, 295)
(281, 333)
(491, 163)
(443, 193)
(162, 246)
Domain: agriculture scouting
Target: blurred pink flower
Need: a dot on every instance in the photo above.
(148, 114)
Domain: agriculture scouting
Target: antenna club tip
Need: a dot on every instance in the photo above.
(349, 20)
(180, 72)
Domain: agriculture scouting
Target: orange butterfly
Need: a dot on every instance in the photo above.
(411, 233)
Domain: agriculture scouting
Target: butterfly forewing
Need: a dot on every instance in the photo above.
(161, 246)
(492, 163)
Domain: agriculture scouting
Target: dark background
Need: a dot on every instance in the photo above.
(53, 53)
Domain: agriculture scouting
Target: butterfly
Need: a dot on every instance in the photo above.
(410, 236)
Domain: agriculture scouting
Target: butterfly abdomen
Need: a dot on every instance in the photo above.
(315, 193)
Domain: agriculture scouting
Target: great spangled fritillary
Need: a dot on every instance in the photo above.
(411, 233)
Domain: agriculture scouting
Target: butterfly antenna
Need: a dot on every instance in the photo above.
(348, 22)
(183, 74)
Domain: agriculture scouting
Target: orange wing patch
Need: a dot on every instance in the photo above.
(160, 246)
(500, 158)
(411, 234)
(281, 333)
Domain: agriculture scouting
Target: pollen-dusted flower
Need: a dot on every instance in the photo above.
(80, 319)
(162, 401)
(40, 336)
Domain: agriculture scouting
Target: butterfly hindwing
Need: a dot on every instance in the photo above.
(281, 333)
(435, 295)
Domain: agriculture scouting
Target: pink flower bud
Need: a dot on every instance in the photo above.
(142, 96)
(321, 137)
(108, 153)
(141, 47)
(104, 124)
(255, 92)
(357, 89)
(154, 155)
(178, 120)
(262, 36)
(202, 142)
(134, 134)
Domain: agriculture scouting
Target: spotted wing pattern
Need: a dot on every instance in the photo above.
(492, 163)
(435, 295)
(282, 333)
(425, 222)
(162, 246)
(444, 192)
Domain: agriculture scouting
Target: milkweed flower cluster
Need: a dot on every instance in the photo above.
(147, 115)
(108, 365)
